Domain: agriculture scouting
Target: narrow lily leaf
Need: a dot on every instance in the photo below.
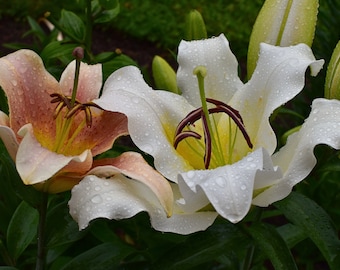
(315, 222)
(203, 247)
(292, 234)
(273, 245)
(104, 256)
(20, 234)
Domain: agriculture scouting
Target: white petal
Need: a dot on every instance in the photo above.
(296, 158)
(229, 188)
(152, 117)
(35, 163)
(120, 198)
(7, 136)
(222, 79)
(278, 77)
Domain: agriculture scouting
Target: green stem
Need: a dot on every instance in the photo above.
(41, 255)
(75, 84)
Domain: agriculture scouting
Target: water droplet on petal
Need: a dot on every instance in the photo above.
(190, 174)
(243, 187)
(96, 199)
(220, 181)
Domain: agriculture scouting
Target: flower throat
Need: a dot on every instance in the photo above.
(67, 109)
(213, 148)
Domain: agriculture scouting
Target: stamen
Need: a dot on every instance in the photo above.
(207, 141)
(197, 114)
(234, 114)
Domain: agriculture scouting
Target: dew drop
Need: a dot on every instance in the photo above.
(191, 174)
(243, 187)
(220, 181)
(97, 199)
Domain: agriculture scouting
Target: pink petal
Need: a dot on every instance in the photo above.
(28, 86)
(90, 81)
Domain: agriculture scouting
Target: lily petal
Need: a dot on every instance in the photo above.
(152, 117)
(120, 197)
(228, 188)
(279, 76)
(42, 164)
(134, 166)
(222, 79)
(7, 136)
(90, 81)
(28, 85)
(296, 158)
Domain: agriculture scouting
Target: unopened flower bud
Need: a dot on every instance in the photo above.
(164, 75)
(282, 23)
(78, 53)
(195, 26)
(332, 84)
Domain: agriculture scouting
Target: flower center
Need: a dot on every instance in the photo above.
(68, 121)
(66, 117)
(216, 153)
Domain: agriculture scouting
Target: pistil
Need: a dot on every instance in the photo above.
(68, 108)
(211, 137)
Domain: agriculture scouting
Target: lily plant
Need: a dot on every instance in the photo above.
(54, 130)
(215, 142)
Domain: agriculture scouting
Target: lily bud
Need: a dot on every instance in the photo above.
(195, 26)
(164, 75)
(282, 23)
(332, 85)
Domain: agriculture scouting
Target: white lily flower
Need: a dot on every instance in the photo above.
(227, 158)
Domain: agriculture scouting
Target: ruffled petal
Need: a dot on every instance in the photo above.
(229, 188)
(89, 84)
(134, 166)
(152, 117)
(120, 197)
(296, 159)
(7, 136)
(105, 129)
(28, 86)
(222, 79)
(36, 164)
(278, 77)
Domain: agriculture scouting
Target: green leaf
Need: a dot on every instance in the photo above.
(203, 247)
(104, 256)
(22, 229)
(273, 245)
(8, 268)
(118, 62)
(72, 26)
(292, 234)
(315, 222)
(11, 184)
(61, 229)
(109, 4)
(57, 49)
(36, 29)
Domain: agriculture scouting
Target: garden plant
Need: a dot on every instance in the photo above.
(222, 152)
